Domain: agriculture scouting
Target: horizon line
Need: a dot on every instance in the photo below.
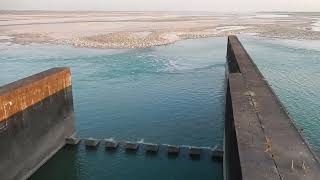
(209, 11)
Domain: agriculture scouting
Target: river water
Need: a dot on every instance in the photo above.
(170, 94)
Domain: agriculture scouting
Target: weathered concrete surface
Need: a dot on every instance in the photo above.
(151, 147)
(194, 151)
(131, 146)
(111, 144)
(91, 142)
(173, 149)
(72, 141)
(36, 114)
(269, 145)
(216, 154)
(17, 96)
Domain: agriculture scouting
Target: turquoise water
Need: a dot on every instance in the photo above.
(292, 67)
(171, 94)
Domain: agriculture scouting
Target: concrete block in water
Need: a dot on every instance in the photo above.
(131, 146)
(72, 141)
(195, 151)
(172, 149)
(91, 142)
(152, 147)
(216, 154)
(111, 144)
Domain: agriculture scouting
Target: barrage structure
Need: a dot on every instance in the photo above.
(260, 139)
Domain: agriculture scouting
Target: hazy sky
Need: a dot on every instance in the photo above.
(162, 5)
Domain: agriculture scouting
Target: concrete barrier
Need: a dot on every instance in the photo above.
(261, 140)
(36, 114)
(150, 148)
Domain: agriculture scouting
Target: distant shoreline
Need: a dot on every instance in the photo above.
(139, 29)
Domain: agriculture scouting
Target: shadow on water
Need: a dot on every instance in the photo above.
(151, 155)
(71, 147)
(131, 152)
(57, 170)
(91, 148)
(173, 156)
(195, 157)
(111, 151)
(217, 159)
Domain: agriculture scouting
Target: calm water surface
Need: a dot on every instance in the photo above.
(171, 94)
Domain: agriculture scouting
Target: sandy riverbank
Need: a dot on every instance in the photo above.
(147, 29)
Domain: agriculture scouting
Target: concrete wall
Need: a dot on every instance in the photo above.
(261, 140)
(36, 114)
(231, 161)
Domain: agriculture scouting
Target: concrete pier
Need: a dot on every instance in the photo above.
(261, 140)
(36, 114)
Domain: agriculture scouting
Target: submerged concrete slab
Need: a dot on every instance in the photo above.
(216, 154)
(173, 149)
(133, 146)
(91, 142)
(111, 144)
(151, 147)
(195, 151)
(72, 141)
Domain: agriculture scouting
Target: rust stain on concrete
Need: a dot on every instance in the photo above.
(19, 95)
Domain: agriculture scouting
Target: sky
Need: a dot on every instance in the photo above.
(164, 5)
